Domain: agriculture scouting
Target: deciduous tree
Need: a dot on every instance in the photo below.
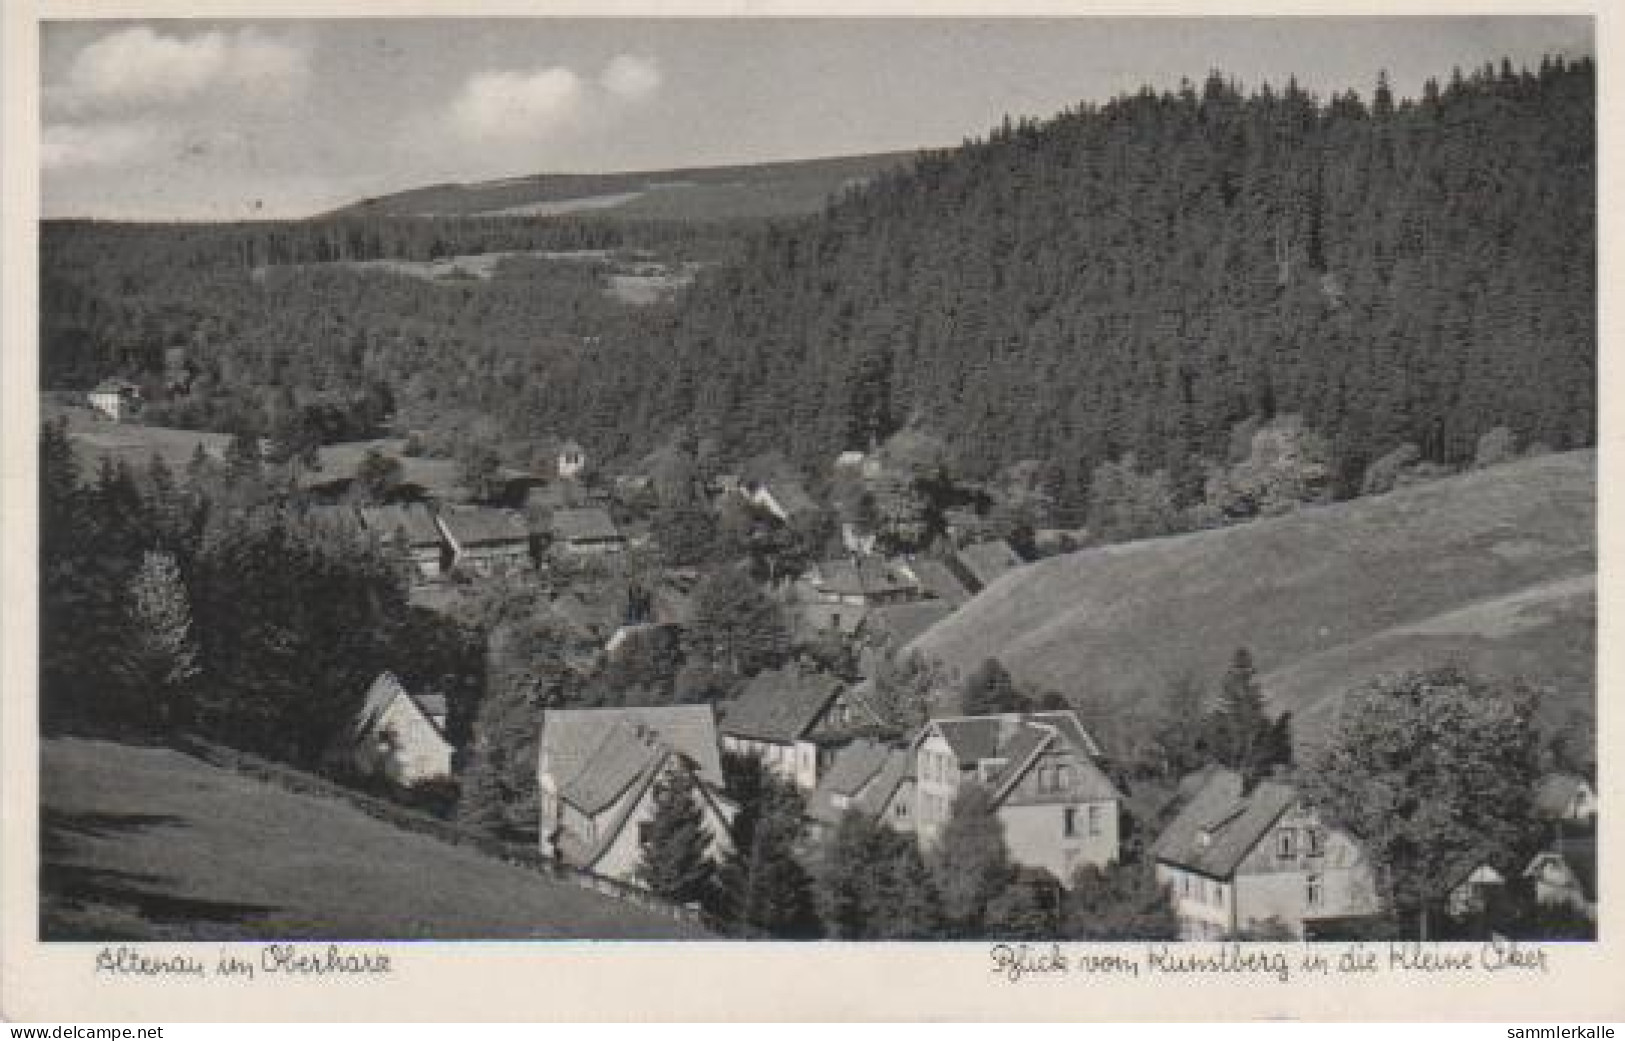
(1429, 769)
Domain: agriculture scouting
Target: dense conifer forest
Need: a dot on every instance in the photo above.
(1139, 277)
(1132, 279)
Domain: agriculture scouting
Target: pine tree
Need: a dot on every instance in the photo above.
(676, 858)
(1243, 736)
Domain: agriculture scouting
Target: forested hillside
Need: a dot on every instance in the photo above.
(1139, 276)
(1129, 279)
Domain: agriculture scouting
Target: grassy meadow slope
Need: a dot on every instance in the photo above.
(1495, 567)
(151, 844)
(709, 193)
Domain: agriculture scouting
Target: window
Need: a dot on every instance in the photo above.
(1314, 842)
(1095, 817)
(1063, 777)
(1046, 778)
(1286, 843)
(1314, 892)
(1069, 821)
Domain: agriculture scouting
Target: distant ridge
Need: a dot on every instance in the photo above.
(778, 189)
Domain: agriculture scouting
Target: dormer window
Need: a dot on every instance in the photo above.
(1286, 843)
(1204, 839)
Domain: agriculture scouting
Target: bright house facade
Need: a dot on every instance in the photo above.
(1237, 860)
(794, 721)
(400, 735)
(1059, 809)
(597, 774)
(115, 399)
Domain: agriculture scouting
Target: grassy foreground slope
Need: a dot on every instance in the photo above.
(151, 844)
(1495, 567)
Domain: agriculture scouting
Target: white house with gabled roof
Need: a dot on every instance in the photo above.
(401, 735)
(1042, 769)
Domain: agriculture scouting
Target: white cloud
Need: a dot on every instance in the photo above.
(73, 145)
(139, 68)
(517, 105)
(630, 77)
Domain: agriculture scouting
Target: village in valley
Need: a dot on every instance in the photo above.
(1096, 531)
(781, 684)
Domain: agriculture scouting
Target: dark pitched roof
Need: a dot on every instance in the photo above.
(1555, 793)
(940, 581)
(986, 561)
(1220, 825)
(482, 525)
(433, 706)
(585, 524)
(413, 518)
(1462, 868)
(860, 575)
(383, 692)
(1014, 739)
(781, 705)
(901, 623)
(863, 775)
(594, 755)
(1070, 726)
(1018, 751)
(972, 738)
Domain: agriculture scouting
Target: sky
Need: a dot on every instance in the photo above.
(225, 120)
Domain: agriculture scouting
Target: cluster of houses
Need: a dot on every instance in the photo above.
(1235, 858)
(477, 541)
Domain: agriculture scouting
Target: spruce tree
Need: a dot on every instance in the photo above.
(761, 883)
(1242, 732)
(676, 845)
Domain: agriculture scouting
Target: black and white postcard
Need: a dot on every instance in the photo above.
(806, 515)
